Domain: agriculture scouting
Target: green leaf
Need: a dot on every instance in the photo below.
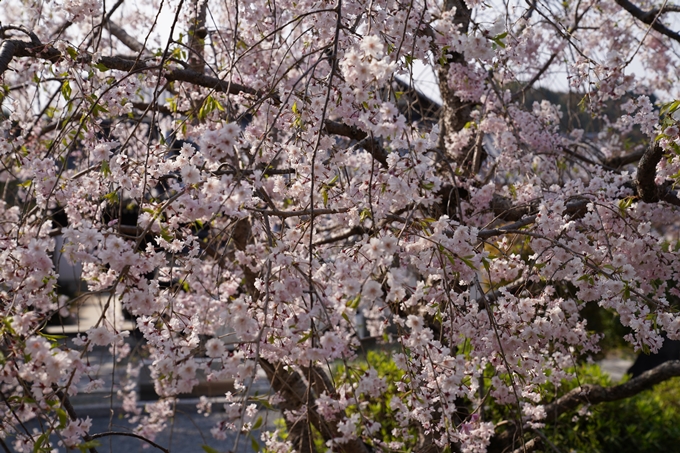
(66, 90)
(468, 261)
(354, 302)
(72, 52)
(486, 264)
(499, 43)
(86, 446)
(305, 337)
(97, 109)
(443, 59)
(258, 423)
(624, 204)
(254, 444)
(37, 447)
(52, 337)
(63, 417)
(209, 449)
(324, 194)
(208, 106)
(105, 169)
(112, 197)
(101, 66)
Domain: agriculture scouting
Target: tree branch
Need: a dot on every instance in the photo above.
(17, 48)
(647, 188)
(594, 394)
(66, 404)
(354, 133)
(305, 212)
(7, 50)
(535, 78)
(648, 17)
(354, 231)
(296, 395)
(620, 161)
(574, 208)
(136, 436)
(124, 37)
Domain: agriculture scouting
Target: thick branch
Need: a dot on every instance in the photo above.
(124, 37)
(354, 231)
(296, 396)
(620, 161)
(305, 212)
(648, 17)
(7, 50)
(647, 188)
(574, 208)
(455, 112)
(45, 52)
(594, 394)
(197, 34)
(370, 145)
(294, 393)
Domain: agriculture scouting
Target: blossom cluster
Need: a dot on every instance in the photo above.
(298, 198)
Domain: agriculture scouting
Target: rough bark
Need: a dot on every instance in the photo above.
(455, 113)
(197, 34)
(591, 394)
(647, 189)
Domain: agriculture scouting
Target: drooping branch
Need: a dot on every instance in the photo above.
(136, 436)
(17, 48)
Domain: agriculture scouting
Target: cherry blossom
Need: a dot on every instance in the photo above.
(271, 183)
